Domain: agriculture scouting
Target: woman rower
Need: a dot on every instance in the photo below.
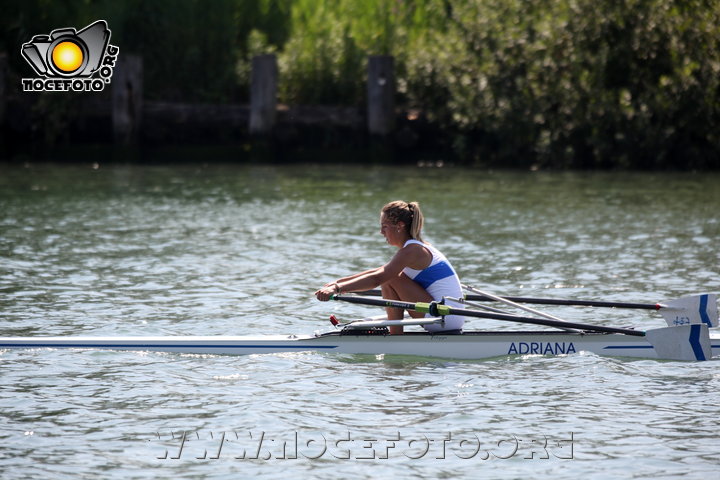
(418, 272)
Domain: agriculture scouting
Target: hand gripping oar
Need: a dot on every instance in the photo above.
(437, 309)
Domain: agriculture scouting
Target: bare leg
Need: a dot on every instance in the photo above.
(405, 289)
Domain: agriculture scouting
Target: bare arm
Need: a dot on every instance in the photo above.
(413, 256)
(361, 274)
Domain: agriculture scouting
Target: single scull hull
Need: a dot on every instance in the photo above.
(468, 345)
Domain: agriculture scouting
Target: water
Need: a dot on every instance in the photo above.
(220, 249)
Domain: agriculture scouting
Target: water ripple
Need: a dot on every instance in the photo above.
(239, 249)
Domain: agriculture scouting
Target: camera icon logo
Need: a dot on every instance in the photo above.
(68, 59)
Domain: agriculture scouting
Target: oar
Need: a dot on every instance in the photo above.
(437, 309)
(517, 305)
(706, 311)
(682, 311)
(570, 302)
(550, 301)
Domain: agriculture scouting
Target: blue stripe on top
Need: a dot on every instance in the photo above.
(434, 273)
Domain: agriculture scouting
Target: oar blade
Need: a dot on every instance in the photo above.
(682, 342)
(695, 309)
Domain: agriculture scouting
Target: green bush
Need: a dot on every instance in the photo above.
(580, 83)
(552, 83)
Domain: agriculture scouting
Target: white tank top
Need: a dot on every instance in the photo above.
(440, 280)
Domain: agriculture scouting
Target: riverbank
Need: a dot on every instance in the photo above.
(563, 85)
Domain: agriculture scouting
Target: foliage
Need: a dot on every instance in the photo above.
(189, 47)
(556, 83)
(583, 83)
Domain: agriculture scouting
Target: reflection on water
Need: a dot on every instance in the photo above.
(231, 249)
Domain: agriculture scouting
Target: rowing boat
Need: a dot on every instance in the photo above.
(692, 341)
(466, 345)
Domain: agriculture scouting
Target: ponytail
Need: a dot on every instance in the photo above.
(416, 224)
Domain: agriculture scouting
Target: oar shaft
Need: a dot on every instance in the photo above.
(554, 301)
(516, 305)
(582, 303)
(437, 309)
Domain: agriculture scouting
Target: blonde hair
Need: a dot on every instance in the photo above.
(408, 213)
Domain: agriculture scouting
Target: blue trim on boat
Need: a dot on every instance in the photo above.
(703, 310)
(695, 341)
(626, 347)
